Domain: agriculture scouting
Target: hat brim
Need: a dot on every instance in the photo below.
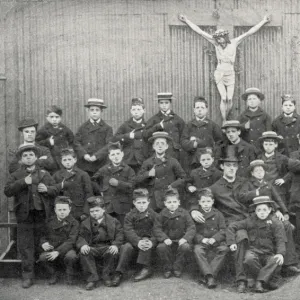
(29, 125)
(262, 202)
(233, 126)
(229, 160)
(98, 105)
(261, 96)
(151, 139)
(262, 138)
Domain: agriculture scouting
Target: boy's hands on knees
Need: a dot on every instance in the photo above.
(279, 215)
(233, 247)
(87, 157)
(182, 241)
(279, 259)
(47, 247)
(113, 249)
(28, 179)
(205, 241)
(93, 158)
(51, 140)
(42, 188)
(197, 216)
(52, 255)
(145, 244)
(211, 241)
(113, 182)
(192, 189)
(168, 242)
(279, 181)
(85, 249)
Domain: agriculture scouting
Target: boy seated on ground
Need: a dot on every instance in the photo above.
(174, 229)
(265, 256)
(100, 237)
(58, 242)
(210, 247)
(138, 230)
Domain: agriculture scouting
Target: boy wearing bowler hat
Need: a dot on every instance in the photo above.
(254, 120)
(92, 137)
(34, 191)
(55, 135)
(160, 171)
(265, 256)
(28, 130)
(166, 120)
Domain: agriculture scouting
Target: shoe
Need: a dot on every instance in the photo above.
(107, 281)
(250, 283)
(27, 283)
(53, 279)
(167, 274)
(90, 286)
(211, 282)
(293, 269)
(258, 287)
(69, 279)
(241, 288)
(117, 279)
(143, 274)
(177, 273)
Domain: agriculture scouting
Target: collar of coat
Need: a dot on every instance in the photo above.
(49, 126)
(224, 182)
(139, 216)
(200, 123)
(59, 224)
(208, 215)
(256, 182)
(37, 171)
(92, 127)
(204, 173)
(170, 115)
(135, 125)
(66, 174)
(285, 120)
(257, 113)
(240, 146)
(115, 169)
(157, 161)
(178, 213)
(262, 223)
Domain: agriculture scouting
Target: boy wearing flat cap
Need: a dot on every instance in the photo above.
(28, 129)
(254, 120)
(34, 191)
(92, 137)
(166, 120)
(100, 237)
(116, 181)
(55, 135)
(58, 241)
(265, 255)
(130, 135)
(160, 171)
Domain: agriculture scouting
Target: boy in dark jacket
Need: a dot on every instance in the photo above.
(116, 180)
(174, 230)
(130, 135)
(55, 135)
(138, 230)
(74, 183)
(92, 137)
(34, 191)
(210, 248)
(58, 241)
(266, 251)
(100, 237)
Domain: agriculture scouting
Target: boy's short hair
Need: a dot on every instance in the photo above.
(171, 192)
(139, 193)
(270, 140)
(114, 146)
(200, 99)
(55, 109)
(205, 193)
(206, 150)
(68, 151)
(287, 97)
(137, 101)
(63, 200)
(95, 201)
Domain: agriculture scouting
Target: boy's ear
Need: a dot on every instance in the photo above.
(222, 166)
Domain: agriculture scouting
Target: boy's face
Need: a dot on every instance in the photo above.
(160, 146)
(206, 160)
(288, 107)
(262, 211)
(269, 146)
(232, 134)
(253, 101)
(200, 110)
(28, 158)
(68, 161)
(141, 204)
(164, 105)
(116, 156)
(29, 134)
(230, 169)
(95, 112)
(258, 172)
(62, 210)
(206, 203)
(97, 212)
(172, 203)
(54, 119)
(137, 111)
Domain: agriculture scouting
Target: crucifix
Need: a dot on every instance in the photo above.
(226, 52)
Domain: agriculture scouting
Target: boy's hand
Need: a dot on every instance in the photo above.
(267, 18)
(152, 172)
(247, 125)
(83, 217)
(205, 241)
(192, 189)
(197, 216)
(42, 188)
(142, 245)
(168, 242)
(113, 249)
(161, 123)
(43, 157)
(131, 134)
(113, 182)
(279, 215)
(279, 181)
(51, 140)
(182, 241)
(182, 18)
(286, 217)
(233, 247)
(211, 241)
(85, 249)
(47, 247)
(87, 157)
(93, 158)
(279, 259)
(28, 179)
(148, 244)
(52, 255)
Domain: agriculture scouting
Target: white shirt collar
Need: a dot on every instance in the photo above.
(92, 121)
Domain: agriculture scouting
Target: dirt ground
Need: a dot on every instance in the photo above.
(185, 288)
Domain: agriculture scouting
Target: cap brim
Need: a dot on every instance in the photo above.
(98, 105)
(262, 202)
(234, 126)
(261, 96)
(151, 139)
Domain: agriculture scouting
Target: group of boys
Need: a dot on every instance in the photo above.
(98, 197)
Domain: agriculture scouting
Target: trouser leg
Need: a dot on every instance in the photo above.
(181, 253)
